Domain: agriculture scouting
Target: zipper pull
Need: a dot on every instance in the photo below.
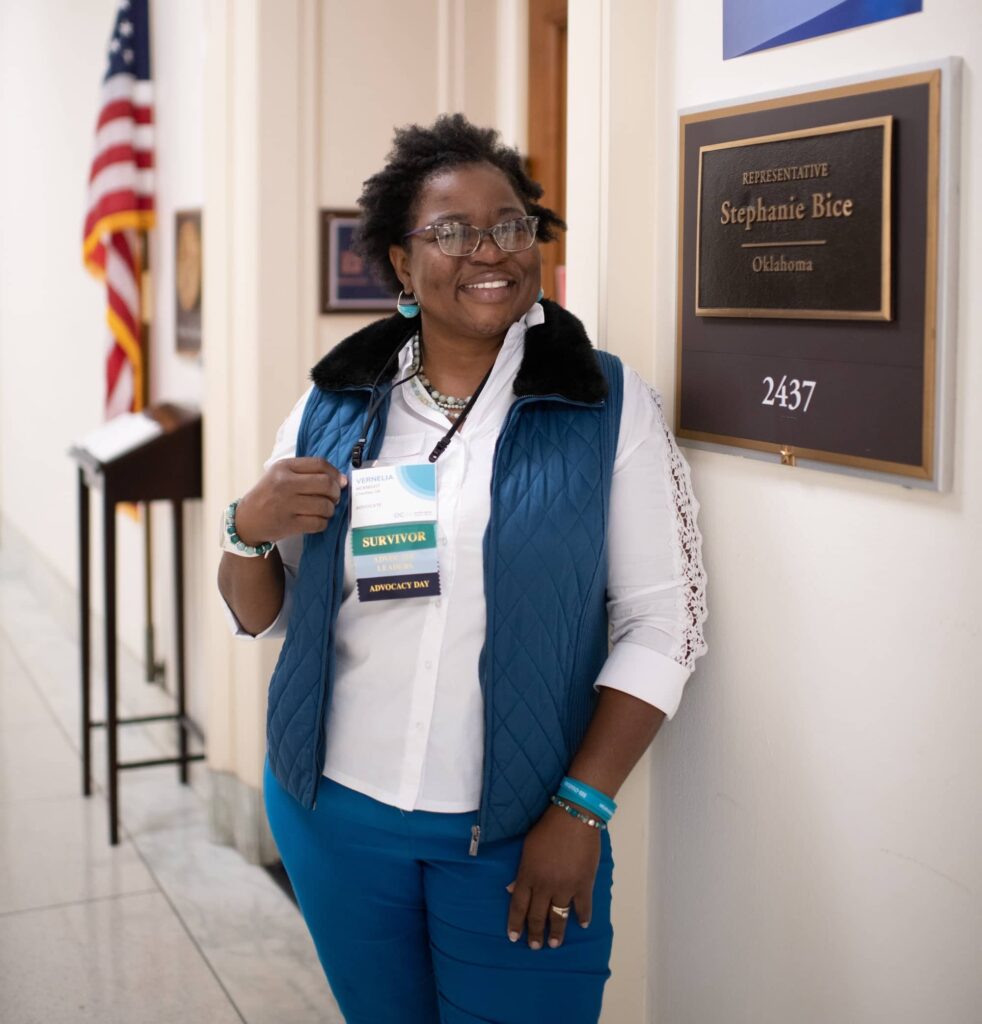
(475, 839)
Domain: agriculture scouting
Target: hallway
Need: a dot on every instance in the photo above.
(166, 927)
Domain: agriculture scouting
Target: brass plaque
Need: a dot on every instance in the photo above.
(797, 224)
(837, 366)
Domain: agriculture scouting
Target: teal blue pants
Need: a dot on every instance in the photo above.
(411, 929)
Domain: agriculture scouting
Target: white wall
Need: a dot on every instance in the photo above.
(53, 333)
(52, 326)
(178, 41)
(52, 313)
(816, 813)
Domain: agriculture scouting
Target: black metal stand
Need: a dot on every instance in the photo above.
(167, 467)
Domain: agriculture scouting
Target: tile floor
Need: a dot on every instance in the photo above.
(165, 928)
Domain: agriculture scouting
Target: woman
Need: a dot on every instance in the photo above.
(442, 762)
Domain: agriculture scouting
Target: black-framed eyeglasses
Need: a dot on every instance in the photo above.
(456, 239)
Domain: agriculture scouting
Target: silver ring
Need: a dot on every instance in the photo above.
(563, 912)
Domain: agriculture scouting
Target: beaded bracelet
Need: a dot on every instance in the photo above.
(586, 796)
(569, 809)
(240, 547)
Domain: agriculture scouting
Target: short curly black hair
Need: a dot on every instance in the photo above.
(388, 197)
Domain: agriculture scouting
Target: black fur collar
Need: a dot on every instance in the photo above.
(558, 358)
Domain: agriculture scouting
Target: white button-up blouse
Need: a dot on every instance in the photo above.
(405, 723)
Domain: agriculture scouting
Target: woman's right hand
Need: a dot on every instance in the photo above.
(293, 496)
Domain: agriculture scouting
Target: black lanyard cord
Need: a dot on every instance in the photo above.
(376, 400)
(443, 443)
(374, 403)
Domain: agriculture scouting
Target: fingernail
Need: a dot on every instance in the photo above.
(554, 943)
(513, 936)
(344, 480)
(584, 924)
(535, 944)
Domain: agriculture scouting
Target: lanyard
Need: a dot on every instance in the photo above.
(376, 401)
(443, 443)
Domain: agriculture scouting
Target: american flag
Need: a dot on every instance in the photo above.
(121, 199)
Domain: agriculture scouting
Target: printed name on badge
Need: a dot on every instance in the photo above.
(393, 531)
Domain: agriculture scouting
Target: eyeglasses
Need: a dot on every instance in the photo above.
(457, 239)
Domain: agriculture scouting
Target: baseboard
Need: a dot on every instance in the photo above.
(237, 818)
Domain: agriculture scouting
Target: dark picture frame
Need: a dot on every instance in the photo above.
(346, 284)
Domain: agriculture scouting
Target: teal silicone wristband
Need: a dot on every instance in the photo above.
(586, 796)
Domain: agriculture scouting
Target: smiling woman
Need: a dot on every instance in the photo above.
(463, 245)
(467, 303)
(447, 725)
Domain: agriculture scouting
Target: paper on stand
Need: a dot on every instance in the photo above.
(120, 434)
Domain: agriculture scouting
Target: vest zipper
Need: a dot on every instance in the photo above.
(475, 839)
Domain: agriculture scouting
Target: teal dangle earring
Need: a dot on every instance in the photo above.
(407, 306)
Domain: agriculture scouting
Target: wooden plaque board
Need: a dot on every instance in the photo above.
(851, 371)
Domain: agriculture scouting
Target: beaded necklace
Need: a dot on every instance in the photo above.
(447, 403)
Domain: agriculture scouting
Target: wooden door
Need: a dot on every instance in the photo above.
(547, 126)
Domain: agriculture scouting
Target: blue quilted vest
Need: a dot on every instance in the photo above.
(545, 566)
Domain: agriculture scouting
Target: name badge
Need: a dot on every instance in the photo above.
(393, 531)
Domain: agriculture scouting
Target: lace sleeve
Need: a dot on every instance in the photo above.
(689, 567)
(656, 586)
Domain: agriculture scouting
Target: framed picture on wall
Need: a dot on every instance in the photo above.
(347, 285)
(187, 281)
(753, 25)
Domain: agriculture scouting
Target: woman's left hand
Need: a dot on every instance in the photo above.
(558, 868)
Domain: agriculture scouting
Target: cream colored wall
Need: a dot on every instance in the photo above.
(435, 56)
(359, 111)
(258, 320)
(815, 811)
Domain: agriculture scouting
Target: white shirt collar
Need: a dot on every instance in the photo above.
(515, 337)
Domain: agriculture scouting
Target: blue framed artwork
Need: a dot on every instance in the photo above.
(752, 25)
(347, 285)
